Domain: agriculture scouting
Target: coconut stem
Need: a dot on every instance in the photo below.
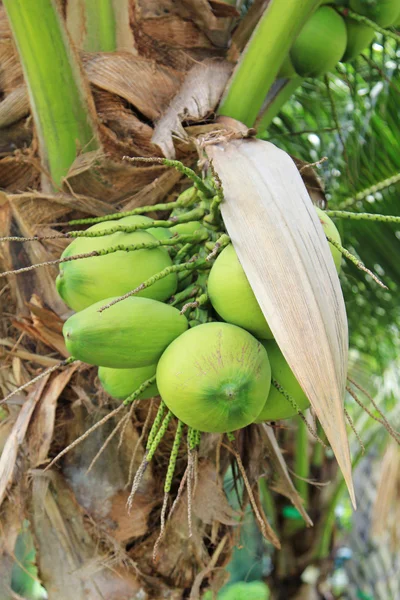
(189, 266)
(222, 241)
(176, 164)
(136, 211)
(294, 404)
(146, 384)
(343, 214)
(62, 363)
(350, 422)
(193, 237)
(191, 291)
(193, 215)
(347, 12)
(159, 436)
(355, 261)
(203, 299)
(156, 424)
(173, 457)
(371, 191)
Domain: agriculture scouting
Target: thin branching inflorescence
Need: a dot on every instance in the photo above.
(187, 266)
(295, 406)
(194, 215)
(60, 365)
(152, 445)
(193, 238)
(361, 19)
(354, 216)
(355, 261)
(350, 422)
(176, 164)
(383, 421)
(168, 483)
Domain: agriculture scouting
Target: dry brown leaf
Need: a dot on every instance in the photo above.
(96, 176)
(14, 106)
(15, 439)
(282, 482)
(38, 359)
(71, 563)
(154, 192)
(102, 491)
(10, 67)
(42, 426)
(196, 100)
(314, 184)
(214, 23)
(283, 250)
(147, 86)
(221, 8)
(41, 281)
(245, 28)
(44, 325)
(209, 502)
(184, 34)
(17, 173)
(39, 208)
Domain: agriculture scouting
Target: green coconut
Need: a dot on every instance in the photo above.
(320, 44)
(382, 12)
(232, 297)
(215, 377)
(332, 232)
(277, 406)
(84, 281)
(130, 334)
(121, 383)
(359, 36)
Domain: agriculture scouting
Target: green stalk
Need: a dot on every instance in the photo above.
(267, 500)
(302, 464)
(100, 26)
(263, 57)
(279, 94)
(59, 99)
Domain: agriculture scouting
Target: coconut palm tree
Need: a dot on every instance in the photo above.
(83, 85)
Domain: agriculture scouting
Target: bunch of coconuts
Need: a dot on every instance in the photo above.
(328, 37)
(192, 331)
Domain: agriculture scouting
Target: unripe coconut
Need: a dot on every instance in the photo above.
(232, 297)
(277, 406)
(359, 36)
(331, 231)
(84, 281)
(320, 44)
(121, 383)
(382, 12)
(215, 377)
(133, 333)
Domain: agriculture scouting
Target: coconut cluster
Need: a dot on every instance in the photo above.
(164, 307)
(328, 37)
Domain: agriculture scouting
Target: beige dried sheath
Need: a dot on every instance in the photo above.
(283, 250)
